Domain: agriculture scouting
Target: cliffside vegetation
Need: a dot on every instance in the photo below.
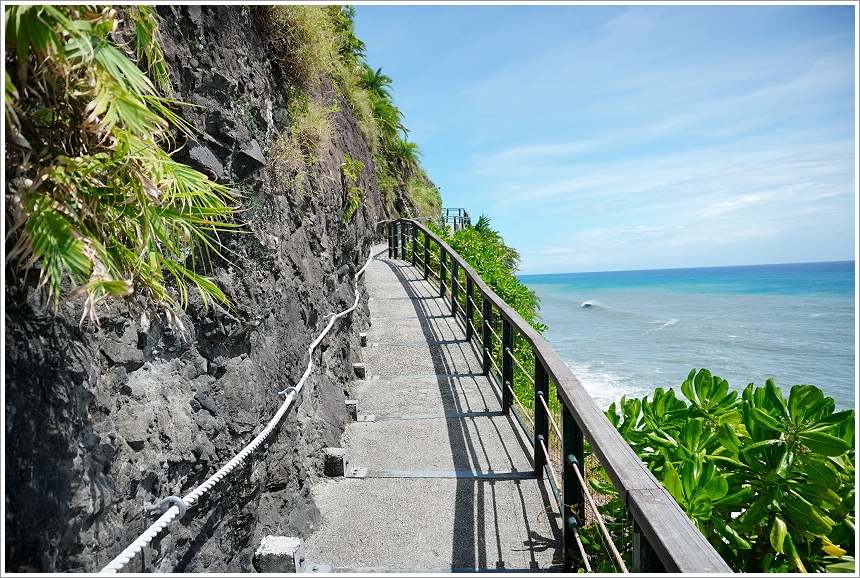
(93, 197)
(92, 194)
(497, 263)
(315, 45)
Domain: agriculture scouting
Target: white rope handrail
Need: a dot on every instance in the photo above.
(291, 394)
(599, 517)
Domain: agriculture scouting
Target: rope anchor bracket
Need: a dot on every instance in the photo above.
(288, 391)
(165, 505)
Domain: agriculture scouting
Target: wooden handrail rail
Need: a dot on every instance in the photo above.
(673, 537)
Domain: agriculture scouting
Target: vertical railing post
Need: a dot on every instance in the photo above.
(644, 557)
(400, 240)
(455, 273)
(390, 228)
(470, 308)
(487, 341)
(426, 256)
(573, 498)
(541, 418)
(507, 365)
(414, 244)
(443, 257)
(403, 240)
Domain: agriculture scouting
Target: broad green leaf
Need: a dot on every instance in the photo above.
(791, 554)
(824, 443)
(774, 398)
(689, 472)
(691, 433)
(601, 487)
(717, 487)
(847, 567)
(700, 506)
(740, 497)
(786, 461)
(687, 389)
(846, 415)
(662, 440)
(759, 448)
(672, 481)
(752, 462)
(816, 493)
(730, 534)
(805, 515)
(756, 511)
(800, 399)
(719, 390)
(778, 533)
(728, 462)
(766, 420)
(728, 438)
(820, 469)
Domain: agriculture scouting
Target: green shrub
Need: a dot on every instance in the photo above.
(485, 250)
(768, 480)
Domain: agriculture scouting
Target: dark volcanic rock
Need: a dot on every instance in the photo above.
(100, 421)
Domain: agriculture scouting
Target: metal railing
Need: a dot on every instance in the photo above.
(664, 539)
(456, 219)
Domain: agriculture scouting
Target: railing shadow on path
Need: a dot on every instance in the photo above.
(469, 540)
(661, 537)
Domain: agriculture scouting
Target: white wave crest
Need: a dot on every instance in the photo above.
(664, 325)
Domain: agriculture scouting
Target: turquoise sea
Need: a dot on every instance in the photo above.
(629, 332)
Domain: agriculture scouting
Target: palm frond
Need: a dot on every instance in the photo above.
(106, 207)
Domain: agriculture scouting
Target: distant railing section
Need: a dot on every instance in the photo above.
(456, 219)
(561, 417)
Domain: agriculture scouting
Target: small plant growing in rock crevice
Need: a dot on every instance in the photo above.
(351, 169)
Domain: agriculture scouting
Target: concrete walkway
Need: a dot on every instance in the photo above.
(437, 478)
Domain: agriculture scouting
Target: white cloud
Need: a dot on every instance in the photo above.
(737, 204)
(605, 137)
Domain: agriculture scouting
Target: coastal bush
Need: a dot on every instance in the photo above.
(484, 249)
(92, 197)
(768, 480)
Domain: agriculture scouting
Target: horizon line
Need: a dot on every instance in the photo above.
(687, 268)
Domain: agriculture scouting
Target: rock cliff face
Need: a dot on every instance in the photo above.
(99, 421)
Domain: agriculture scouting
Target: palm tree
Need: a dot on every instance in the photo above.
(388, 118)
(375, 82)
(350, 46)
(404, 153)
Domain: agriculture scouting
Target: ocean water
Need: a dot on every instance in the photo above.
(629, 332)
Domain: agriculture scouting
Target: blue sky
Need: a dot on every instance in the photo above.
(614, 137)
